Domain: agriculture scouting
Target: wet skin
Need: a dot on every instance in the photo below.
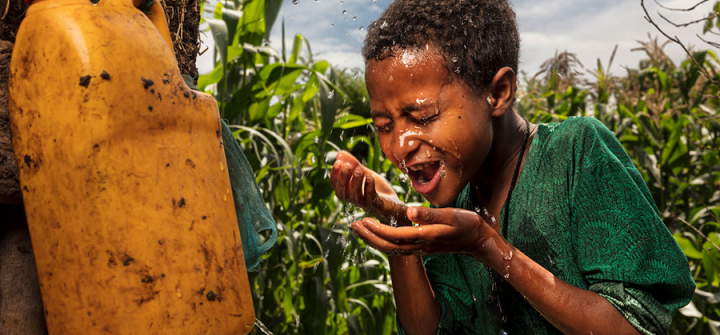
(424, 117)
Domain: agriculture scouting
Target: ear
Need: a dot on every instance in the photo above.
(502, 91)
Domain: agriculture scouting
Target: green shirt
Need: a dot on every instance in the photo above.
(581, 210)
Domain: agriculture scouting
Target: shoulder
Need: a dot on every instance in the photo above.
(582, 138)
(576, 129)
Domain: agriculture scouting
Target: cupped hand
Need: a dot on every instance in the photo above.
(439, 231)
(364, 188)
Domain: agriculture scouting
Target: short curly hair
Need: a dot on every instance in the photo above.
(476, 37)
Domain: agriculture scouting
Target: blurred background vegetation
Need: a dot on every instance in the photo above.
(292, 113)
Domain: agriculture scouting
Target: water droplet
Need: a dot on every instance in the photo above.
(332, 25)
(383, 25)
(342, 133)
(506, 276)
(222, 167)
(295, 2)
(317, 139)
(361, 28)
(312, 159)
(393, 221)
(363, 99)
(474, 298)
(478, 209)
(427, 153)
(443, 173)
(331, 94)
(403, 177)
(508, 256)
(374, 0)
(454, 59)
(420, 101)
(354, 18)
(344, 12)
(352, 140)
(347, 32)
(403, 165)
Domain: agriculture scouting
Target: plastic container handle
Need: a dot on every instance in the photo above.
(156, 16)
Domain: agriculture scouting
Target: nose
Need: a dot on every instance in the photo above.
(405, 142)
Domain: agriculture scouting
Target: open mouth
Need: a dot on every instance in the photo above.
(425, 177)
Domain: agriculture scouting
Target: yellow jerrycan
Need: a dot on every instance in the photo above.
(124, 177)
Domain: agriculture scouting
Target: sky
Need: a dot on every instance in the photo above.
(588, 28)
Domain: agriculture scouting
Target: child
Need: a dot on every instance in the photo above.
(543, 229)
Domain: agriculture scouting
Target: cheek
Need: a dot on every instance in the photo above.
(386, 146)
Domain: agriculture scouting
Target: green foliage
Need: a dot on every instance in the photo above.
(292, 114)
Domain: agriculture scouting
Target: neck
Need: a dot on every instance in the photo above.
(493, 179)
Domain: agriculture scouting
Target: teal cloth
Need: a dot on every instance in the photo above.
(253, 216)
(581, 210)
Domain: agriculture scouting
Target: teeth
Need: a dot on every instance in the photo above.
(419, 167)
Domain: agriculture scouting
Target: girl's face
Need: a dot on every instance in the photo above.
(430, 124)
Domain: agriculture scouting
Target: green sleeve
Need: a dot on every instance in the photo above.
(623, 249)
(458, 312)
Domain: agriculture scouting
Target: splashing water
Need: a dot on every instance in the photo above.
(295, 2)
(354, 18)
(342, 135)
(403, 178)
(361, 28)
(259, 323)
(393, 221)
(420, 101)
(331, 94)
(317, 139)
(344, 12)
(384, 24)
(443, 174)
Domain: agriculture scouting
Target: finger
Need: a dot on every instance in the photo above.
(426, 215)
(335, 173)
(370, 195)
(399, 235)
(344, 180)
(340, 159)
(389, 247)
(355, 189)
